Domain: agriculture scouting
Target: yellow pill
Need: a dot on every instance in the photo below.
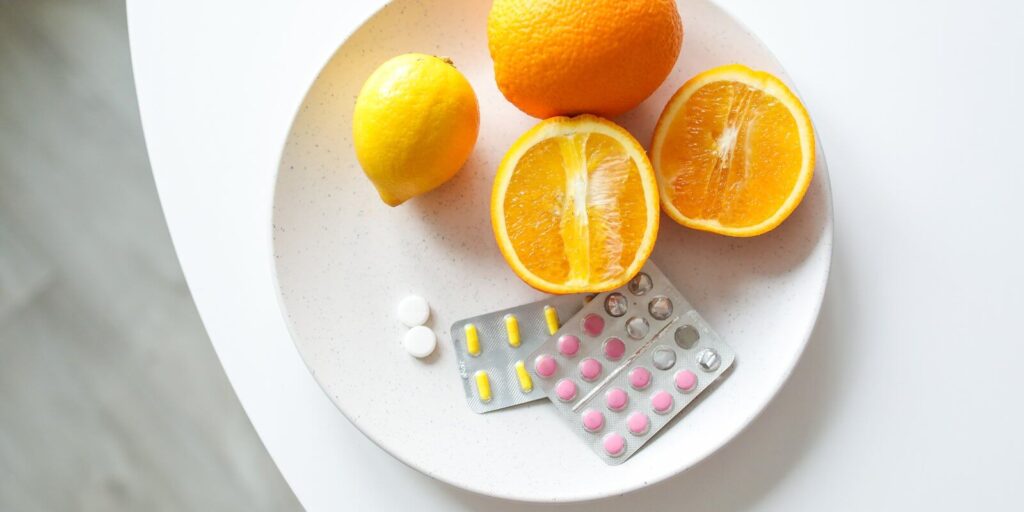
(483, 386)
(472, 340)
(512, 327)
(525, 382)
(551, 315)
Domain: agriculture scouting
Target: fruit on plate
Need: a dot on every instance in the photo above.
(733, 152)
(575, 205)
(566, 57)
(414, 126)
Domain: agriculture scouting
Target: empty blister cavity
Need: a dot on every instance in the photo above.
(662, 402)
(708, 360)
(512, 330)
(616, 399)
(637, 327)
(686, 336)
(615, 304)
(593, 420)
(525, 381)
(685, 380)
(660, 307)
(614, 444)
(638, 423)
(639, 378)
(614, 348)
(566, 390)
(663, 358)
(593, 325)
(590, 369)
(545, 365)
(640, 284)
(568, 345)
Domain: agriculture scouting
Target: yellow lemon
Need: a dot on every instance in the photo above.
(415, 124)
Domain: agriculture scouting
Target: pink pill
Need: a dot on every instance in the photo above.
(686, 380)
(593, 324)
(638, 423)
(566, 390)
(568, 345)
(545, 365)
(639, 377)
(593, 420)
(661, 402)
(614, 348)
(590, 369)
(616, 399)
(614, 444)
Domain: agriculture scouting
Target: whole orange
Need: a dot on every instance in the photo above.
(566, 57)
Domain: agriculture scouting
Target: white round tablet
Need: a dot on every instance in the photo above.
(419, 341)
(413, 310)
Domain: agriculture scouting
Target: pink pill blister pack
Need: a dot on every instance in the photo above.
(628, 362)
(491, 350)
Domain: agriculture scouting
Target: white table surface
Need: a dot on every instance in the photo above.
(909, 393)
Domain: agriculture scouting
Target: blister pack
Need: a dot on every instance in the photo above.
(628, 362)
(491, 350)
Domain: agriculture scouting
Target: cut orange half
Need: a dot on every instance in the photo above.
(733, 152)
(575, 205)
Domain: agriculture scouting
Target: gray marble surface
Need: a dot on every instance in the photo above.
(111, 397)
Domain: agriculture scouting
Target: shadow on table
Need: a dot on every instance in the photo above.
(745, 470)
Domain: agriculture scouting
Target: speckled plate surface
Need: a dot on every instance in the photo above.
(343, 260)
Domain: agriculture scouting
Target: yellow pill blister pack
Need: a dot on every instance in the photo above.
(491, 350)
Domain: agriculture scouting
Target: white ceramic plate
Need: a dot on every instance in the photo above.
(344, 260)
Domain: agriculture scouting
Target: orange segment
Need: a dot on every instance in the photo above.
(733, 152)
(575, 205)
